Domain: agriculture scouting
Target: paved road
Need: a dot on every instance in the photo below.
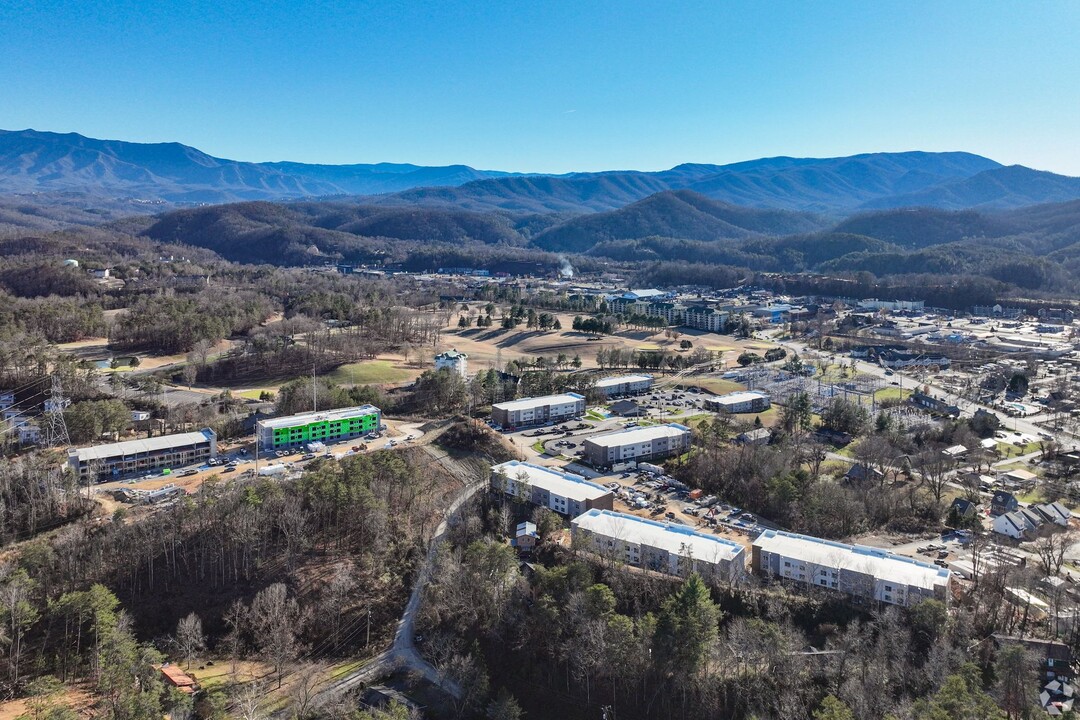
(403, 655)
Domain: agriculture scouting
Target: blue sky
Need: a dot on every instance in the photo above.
(551, 86)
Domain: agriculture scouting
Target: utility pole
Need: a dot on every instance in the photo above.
(367, 641)
(314, 385)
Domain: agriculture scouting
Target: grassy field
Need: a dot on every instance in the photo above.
(891, 393)
(371, 372)
(715, 384)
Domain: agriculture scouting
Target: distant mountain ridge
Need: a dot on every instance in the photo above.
(44, 162)
(32, 161)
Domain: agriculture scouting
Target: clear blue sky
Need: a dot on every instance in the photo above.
(551, 86)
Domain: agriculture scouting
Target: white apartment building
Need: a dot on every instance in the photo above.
(619, 385)
(538, 410)
(642, 443)
(662, 547)
(565, 493)
(454, 361)
(864, 573)
(738, 402)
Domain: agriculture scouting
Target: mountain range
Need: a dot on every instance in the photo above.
(33, 162)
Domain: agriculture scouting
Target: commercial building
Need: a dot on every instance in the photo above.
(565, 493)
(619, 385)
(100, 462)
(662, 547)
(864, 573)
(738, 402)
(538, 410)
(328, 426)
(454, 361)
(643, 443)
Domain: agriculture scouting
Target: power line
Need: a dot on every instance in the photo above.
(55, 431)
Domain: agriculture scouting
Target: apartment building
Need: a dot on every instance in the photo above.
(538, 410)
(738, 402)
(101, 462)
(662, 547)
(454, 361)
(621, 385)
(864, 573)
(565, 493)
(329, 426)
(642, 443)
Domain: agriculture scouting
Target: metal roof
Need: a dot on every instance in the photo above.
(676, 539)
(136, 447)
(622, 380)
(567, 485)
(637, 435)
(321, 416)
(880, 564)
(535, 402)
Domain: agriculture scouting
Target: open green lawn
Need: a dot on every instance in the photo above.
(1008, 449)
(715, 384)
(891, 393)
(369, 372)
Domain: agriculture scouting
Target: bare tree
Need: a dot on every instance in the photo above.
(190, 638)
(276, 621)
(235, 617)
(1051, 550)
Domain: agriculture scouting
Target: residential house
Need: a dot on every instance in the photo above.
(526, 537)
(1003, 502)
(1054, 512)
(1011, 524)
(963, 508)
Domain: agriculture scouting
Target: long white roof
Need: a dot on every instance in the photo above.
(676, 539)
(879, 563)
(567, 485)
(622, 380)
(739, 397)
(135, 447)
(534, 402)
(322, 416)
(638, 435)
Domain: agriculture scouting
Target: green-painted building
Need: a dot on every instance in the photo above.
(327, 427)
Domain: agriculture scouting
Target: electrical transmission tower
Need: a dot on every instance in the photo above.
(55, 432)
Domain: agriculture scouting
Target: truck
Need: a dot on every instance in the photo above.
(274, 469)
(650, 468)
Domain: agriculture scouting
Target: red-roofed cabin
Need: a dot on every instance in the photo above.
(179, 679)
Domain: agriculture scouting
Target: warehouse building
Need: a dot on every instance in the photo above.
(642, 443)
(102, 462)
(662, 547)
(538, 410)
(622, 385)
(738, 402)
(565, 493)
(326, 427)
(864, 573)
